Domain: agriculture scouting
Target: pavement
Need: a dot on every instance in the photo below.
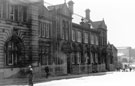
(24, 81)
(111, 79)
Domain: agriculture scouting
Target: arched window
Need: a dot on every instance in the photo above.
(14, 51)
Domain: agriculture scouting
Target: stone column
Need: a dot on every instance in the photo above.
(34, 33)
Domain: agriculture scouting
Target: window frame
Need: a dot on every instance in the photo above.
(79, 36)
(14, 51)
(63, 29)
(73, 35)
(1, 10)
(92, 39)
(86, 37)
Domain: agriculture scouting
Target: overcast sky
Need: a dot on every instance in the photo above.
(119, 16)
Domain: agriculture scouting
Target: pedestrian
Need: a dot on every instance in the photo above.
(47, 71)
(30, 76)
(130, 69)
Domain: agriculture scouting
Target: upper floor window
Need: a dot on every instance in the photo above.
(96, 40)
(12, 12)
(79, 36)
(85, 37)
(65, 30)
(24, 14)
(73, 35)
(44, 29)
(92, 39)
(18, 13)
(1, 9)
(104, 39)
(48, 31)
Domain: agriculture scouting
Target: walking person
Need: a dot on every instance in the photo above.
(47, 71)
(130, 69)
(30, 76)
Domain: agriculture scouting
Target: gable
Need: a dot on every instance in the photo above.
(61, 8)
(43, 11)
(65, 10)
(99, 24)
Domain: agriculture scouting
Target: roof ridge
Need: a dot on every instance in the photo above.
(56, 5)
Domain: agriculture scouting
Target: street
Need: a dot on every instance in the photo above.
(108, 79)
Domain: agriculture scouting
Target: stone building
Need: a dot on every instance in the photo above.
(31, 33)
(18, 35)
(112, 59)
(89, 41)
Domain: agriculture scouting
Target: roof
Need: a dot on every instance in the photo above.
(123, 47)
(99, 24)
(25, 1)
(96, 24)
(43, 11)
(61, 9)
(59, 6)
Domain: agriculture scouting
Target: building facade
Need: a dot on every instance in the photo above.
(31, 33)
(112, 58)
(18, 36)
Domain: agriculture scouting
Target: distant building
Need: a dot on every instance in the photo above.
(125, 55)
(124, 52)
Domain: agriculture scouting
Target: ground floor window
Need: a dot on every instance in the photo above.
(96, 58)
(45, 54)
(78, 57)
(14, 51)
(73, 58)
(111, 60)
(92, 57)
(86, 57)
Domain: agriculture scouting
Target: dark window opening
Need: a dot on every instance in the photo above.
(14, 52)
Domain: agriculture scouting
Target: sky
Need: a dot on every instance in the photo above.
(119, 16)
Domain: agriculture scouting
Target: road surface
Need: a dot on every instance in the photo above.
(109, 79)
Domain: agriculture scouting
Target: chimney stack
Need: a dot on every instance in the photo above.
(87, 14)
(71, 6)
